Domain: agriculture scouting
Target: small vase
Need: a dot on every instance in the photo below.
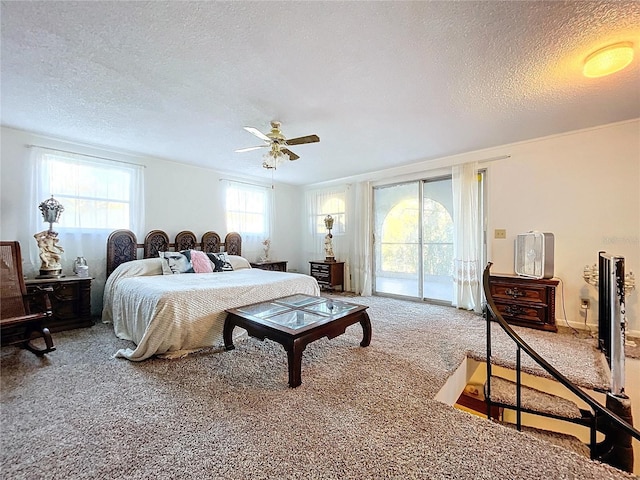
(80, 267)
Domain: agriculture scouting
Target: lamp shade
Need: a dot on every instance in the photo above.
(51, 210)
(608, 60)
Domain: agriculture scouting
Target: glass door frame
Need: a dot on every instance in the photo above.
(420, 240)
(482, 222)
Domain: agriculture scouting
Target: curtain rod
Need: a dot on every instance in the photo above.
(492, 159)
(87, 155)
(244, 183)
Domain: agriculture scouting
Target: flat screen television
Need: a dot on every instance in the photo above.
(534, 255)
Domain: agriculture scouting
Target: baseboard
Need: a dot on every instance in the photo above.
(561, 322)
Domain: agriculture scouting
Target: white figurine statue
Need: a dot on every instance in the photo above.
(328, 243)
(50, 252)
(328, 246)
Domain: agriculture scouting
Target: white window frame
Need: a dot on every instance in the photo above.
(241, 200)
(321, 210)
(53, 169)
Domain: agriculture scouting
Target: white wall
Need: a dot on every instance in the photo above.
(177, 197)
(582, 186)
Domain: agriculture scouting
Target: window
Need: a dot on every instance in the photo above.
(330, 203)
(319, 204)
(96, 194)
(248, 209)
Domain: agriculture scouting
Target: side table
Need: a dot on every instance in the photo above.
(328, 274)
(70, 301)
(273, 265)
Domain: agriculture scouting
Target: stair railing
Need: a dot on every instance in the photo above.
(600, 412)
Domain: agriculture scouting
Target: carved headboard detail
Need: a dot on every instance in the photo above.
(155, 241)
(122, 245)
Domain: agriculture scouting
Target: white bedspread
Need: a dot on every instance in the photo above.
(173, 315)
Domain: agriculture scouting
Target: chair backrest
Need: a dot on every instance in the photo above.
(13, 301)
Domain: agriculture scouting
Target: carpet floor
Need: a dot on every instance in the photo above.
(360, 413)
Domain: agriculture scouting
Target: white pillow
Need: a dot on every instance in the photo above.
(238, 262)
(138, 268)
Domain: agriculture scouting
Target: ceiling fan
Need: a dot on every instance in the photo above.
(278, 144)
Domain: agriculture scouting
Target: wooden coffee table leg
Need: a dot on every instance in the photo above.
(294, 357)
(366, 329)
(227, 334)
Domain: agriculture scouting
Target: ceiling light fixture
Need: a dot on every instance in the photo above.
(608, 60)
(274, 157)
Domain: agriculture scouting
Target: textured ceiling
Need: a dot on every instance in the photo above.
(382, 83)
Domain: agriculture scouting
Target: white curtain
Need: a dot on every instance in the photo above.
(319, 204)
(250, 211)
(81, 232)
(359, 209)
(467, 240)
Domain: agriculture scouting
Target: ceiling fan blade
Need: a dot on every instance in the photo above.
(301, 140)
(249, 149)
(292, 156)
(257, 133)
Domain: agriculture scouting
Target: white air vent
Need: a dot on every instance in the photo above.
(534, 255)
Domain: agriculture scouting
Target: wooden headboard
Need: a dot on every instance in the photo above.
(122, 245)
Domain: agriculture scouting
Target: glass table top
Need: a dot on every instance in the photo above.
(296, 319)
(297, 311)
(299, 300)
(263, 310)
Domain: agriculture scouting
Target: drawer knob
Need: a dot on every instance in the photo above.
(514, 292)
(513, 310)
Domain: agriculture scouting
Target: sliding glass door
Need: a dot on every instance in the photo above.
(413, 240)
(397, 265)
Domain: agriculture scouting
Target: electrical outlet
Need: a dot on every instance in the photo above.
(585, 303)
(500, 233)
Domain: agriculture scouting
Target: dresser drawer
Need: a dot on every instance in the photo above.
(319, 269)
(320, 274)
(523, 313)
(526, 293)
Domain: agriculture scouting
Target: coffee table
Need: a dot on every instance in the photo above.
(294, 322)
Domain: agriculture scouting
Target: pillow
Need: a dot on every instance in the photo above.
(221, 265)
(200, 262)
(237, 262)
(176, 262)
(137, 268)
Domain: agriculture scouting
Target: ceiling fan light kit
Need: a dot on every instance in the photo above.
(277, 144)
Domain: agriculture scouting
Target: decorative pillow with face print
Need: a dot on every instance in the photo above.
(176, 262)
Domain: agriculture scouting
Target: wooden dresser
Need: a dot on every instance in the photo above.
(70, 301)
(526, 302)
(328, 274)
(275, 266)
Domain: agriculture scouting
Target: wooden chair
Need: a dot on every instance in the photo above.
(15, 311)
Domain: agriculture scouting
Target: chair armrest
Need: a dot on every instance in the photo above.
(6, 322)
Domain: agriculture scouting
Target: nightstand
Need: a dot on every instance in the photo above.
(328, 274)
(70, 301)
(274, 266)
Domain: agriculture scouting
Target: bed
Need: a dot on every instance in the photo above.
(172, 315)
